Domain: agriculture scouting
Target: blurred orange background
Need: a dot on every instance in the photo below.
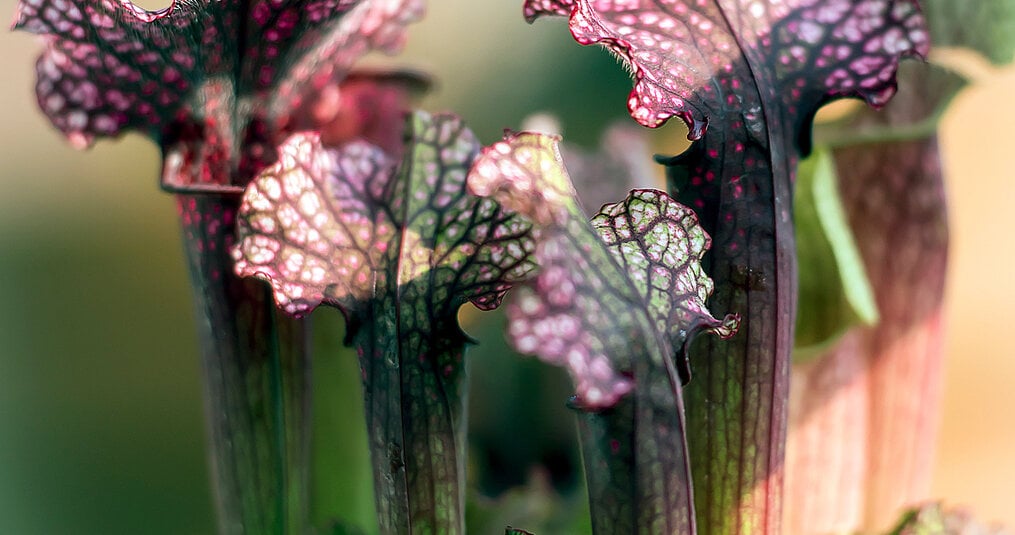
(976, 449)
(100, 411)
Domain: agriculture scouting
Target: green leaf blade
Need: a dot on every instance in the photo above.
(835, 293)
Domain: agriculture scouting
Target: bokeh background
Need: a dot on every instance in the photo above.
(100, 412)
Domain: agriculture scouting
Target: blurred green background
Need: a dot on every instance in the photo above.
(100, 412)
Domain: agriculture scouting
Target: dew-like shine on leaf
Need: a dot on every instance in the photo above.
(614, 302)
(216, 84)
(398, 248)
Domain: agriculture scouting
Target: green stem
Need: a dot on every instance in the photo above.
(257, 387)
(414, 394)
(834, 136)
(737, 398)
(636, 466)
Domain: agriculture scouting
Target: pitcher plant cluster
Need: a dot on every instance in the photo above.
(302, 181)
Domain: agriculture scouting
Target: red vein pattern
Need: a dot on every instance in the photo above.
(660, 244)
(398, 248)
(214, 83)
(684, 55)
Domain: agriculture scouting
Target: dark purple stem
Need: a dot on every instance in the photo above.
(257, 384)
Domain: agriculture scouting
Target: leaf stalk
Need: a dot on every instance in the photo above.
(256, 383)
